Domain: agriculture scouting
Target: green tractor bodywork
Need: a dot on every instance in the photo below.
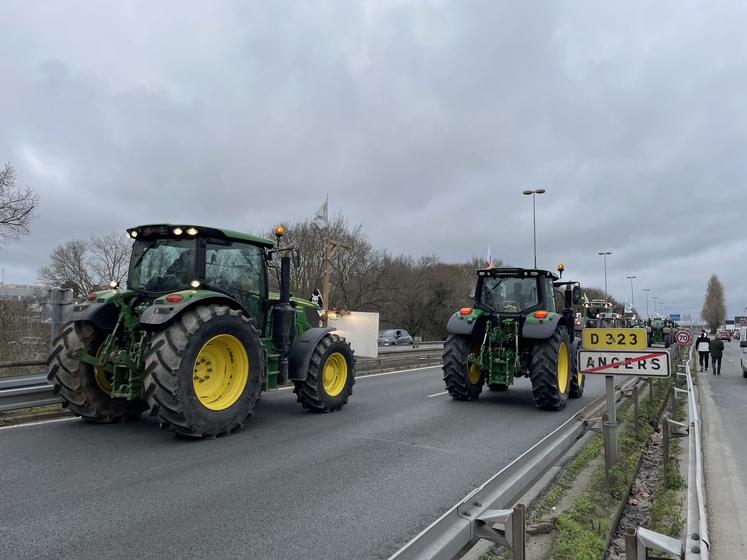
(660, 332)
(197, 336)
(521, 324)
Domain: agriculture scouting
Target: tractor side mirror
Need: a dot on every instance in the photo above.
(576, 295)
(296, 254)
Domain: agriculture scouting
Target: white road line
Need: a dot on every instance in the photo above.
(436, 394)
(393, 372)
(53, 420)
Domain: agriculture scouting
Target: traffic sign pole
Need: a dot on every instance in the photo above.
(609, 429)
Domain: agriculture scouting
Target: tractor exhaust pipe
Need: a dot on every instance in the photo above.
(283, 321)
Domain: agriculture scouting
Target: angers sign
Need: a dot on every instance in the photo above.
(622, 362)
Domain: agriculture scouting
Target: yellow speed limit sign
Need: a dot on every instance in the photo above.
(614, 339)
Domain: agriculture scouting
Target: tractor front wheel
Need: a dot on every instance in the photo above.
(204, 372)
(550, 371)
(463, 380)
(83, 388)
(330, 377)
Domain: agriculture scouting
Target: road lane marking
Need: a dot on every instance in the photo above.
(53, 420)
(436, 394)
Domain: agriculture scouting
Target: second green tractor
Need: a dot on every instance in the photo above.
(521, 325)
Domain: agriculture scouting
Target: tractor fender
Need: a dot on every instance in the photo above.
(301, 351)
(161, 313)
(540, 330)
(459, 325)
(103, 315)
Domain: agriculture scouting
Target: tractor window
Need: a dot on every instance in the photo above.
(238, 269)
(552, 296)
(510, 295)
(162, 265)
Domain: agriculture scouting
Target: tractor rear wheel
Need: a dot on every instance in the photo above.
(463, 381)
(204, 372)
(578, 381)
(83, 388)
(550, 371)
(330, 377)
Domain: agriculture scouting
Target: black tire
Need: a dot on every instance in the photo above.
(311, 392)
(544, 371)
(498, 387)
(456, 369)
(75, 381)
(169, 370)
(744, 373)
(578, 382)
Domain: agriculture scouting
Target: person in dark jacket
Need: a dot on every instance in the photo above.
(716, 347)
(702, 345)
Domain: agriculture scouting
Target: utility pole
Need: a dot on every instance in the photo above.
(330, 249)
(604, 254)
(647, 290)
(632, 296)
(534, 192)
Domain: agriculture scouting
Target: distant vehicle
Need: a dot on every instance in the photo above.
(394, 337)
(743, 348)
(737, 336)
(725, 335)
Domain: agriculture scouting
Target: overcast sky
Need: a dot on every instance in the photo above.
(423, 120)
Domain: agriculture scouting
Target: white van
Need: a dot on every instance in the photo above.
(743, 349)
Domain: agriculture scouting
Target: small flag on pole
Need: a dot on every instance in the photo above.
(321, 219)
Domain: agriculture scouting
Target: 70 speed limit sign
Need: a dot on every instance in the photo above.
(683, 337)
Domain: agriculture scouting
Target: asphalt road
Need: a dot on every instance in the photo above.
(354, 484)
(724, 403)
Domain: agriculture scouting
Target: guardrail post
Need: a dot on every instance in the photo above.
(631, 544)
(635, 411)
(665, 443)
(518, 532)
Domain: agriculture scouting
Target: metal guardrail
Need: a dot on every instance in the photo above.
(696, 543)
(467, 520)
(27, 391)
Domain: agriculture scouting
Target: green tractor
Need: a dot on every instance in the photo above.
(521, 324)
(659, 332)
(196, 336)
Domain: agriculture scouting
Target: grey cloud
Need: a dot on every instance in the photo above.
(423, 120)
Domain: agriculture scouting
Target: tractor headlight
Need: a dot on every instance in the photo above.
(113, 284)
(191, 231)
(177, 231)
(133, 233)
(195, 284)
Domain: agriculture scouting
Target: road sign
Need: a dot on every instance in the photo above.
(740, 320)
(674, 316)
(613, 339)
(683, 337)
(621, 362)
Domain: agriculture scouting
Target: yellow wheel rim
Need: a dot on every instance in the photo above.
(580, 379)
(102, 379)
(563, 368)
(474, 374)
(335, 374)
(220, 372)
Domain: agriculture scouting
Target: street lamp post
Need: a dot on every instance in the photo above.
(647, 290)
(656, 305)
(534, 192)
(632, 295)
(604, 254)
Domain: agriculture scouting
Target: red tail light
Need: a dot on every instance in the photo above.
(465, 311)
(91, 297)
(540, 314)
(174, 298)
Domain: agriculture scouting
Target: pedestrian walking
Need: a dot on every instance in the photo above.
(702, 345)
(716, 348)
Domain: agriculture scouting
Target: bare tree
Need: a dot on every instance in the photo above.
(110, 257)
(16, 206)
(88, 265)
(714, 306)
